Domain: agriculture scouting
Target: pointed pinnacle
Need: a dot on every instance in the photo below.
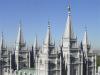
(69, 8)
(48, 24)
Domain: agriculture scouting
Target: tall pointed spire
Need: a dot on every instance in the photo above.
(68, 30)
(20, 39)
(48, 39)
(86, 45)
(36, 42)
(85, 39)
(2, 44)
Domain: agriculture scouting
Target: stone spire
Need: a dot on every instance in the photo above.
(36, 47)
(68, 29)
(20, 46)
(85, 39)
(48, 39)
(20, 39)
(2, 44)
(86, 45)
(35, 43)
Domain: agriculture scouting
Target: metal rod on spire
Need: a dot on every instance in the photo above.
(69, 8)
(85, 28)
(2, 35)
(48, 24)
(20, 23)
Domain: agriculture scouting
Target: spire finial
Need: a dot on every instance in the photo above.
(85, 28)
(69, 8)
(48, 24)
(2, 34)
(20, 23)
